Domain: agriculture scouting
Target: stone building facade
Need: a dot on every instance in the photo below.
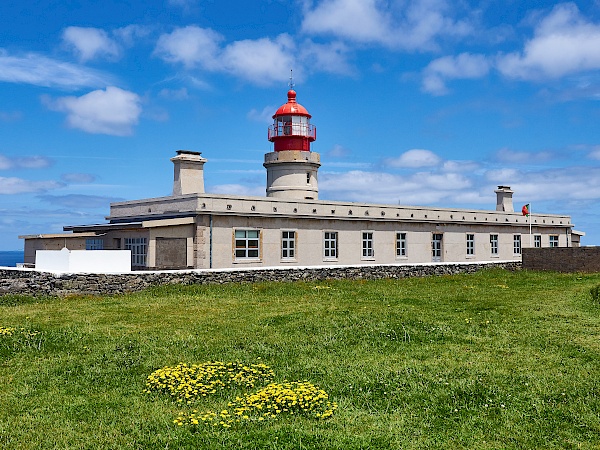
(292, 227)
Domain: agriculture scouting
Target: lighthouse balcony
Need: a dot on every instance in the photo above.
(305, 130)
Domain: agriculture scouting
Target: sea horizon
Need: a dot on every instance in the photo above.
(10, 258)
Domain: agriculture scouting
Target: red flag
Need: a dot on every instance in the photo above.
(525, 209)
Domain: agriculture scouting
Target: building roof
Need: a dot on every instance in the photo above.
(292, 107)
(235, 205)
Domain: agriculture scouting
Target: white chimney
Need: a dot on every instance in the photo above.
(504, 199)
(188, 175)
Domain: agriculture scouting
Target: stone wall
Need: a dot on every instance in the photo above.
(31, 282)
(562, 259)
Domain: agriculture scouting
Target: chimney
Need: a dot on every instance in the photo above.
(504, 199)
(188, 177)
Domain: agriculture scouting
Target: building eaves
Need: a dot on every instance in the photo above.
(247, 206)
(100, 227)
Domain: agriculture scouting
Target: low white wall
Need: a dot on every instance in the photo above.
(83, 261)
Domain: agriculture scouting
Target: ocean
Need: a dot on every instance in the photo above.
(10, 259)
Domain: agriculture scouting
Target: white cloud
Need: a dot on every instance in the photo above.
(79, 201)
(595, 153)
(411, 25)
(564, 42)
(260, 61)
(264, 116)
(356, 20)
(349, 165)
(517, 157)
(331, 57)
(338, 151)
(238, 189)
(112, 111)
(10, 116)
(186, 5)
(129, 33)
(91, 43)
(564, 184)
(78, 177)
(379, 187)
(13, 185)
(503, 176)
(547, 187)
(463, 66)
(174, 94)
(24, 162)
(415, 158)
(42, 71)
(191, 46)
(460, 166)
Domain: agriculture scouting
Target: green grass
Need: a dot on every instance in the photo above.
(492, 360)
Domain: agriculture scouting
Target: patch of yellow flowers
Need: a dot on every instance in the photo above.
(187, 383)
(10, 331)
(7, 331)
(298, 397)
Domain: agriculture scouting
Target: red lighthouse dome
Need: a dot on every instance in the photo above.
(291, 129)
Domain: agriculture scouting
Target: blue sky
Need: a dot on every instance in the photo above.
(426, 102)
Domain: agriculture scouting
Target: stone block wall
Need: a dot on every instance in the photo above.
(562, 259)
(31, 282)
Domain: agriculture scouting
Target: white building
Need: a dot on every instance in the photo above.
(290, 226)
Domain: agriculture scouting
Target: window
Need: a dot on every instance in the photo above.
(494, 244)
(401, 245)
(553, 240)
(330, 249)
(367, 244)
(94, 244)
(246, 244)
(517, 244)
(436, 247)
(139, 248)
(307, 177)
(537, 241)
(470, 244)
(288, 245)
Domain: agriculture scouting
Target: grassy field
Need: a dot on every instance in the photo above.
(493, 360)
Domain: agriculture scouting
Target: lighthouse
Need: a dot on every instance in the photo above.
(292, 167)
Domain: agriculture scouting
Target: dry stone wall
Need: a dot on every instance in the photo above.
(31, 282)
(562, 259)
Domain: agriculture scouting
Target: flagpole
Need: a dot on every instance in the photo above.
(530, 245)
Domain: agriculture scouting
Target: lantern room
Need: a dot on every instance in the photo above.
(291, 129)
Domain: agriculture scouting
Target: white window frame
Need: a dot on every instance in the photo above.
(494, 244)
(367, 247)
(517, 246)
(470, 244)
(246, 246)
(537, 241)
(139, 250)
(288, 245)
(94, 244)
(553, 240)
(437, 247)
(330, 245)
(401, 245)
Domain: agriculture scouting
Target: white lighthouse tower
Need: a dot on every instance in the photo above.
(292, 167)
